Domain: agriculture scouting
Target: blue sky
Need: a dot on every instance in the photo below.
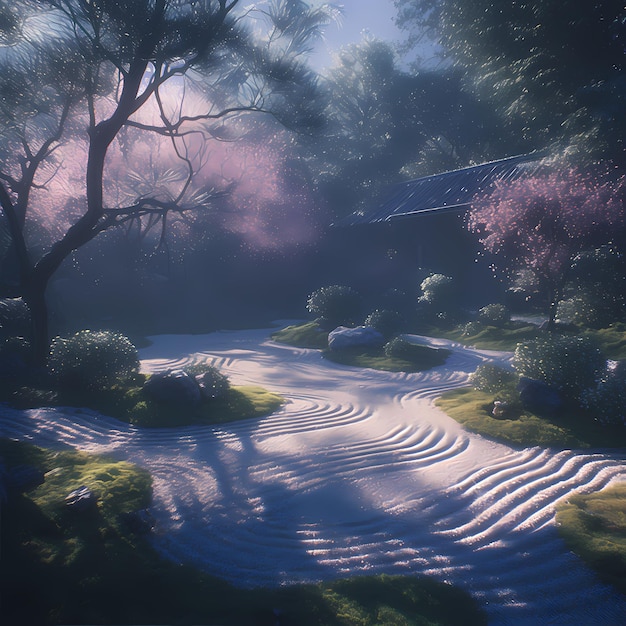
(372, 16)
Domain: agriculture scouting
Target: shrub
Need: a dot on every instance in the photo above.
(438, 291)
(387, 323)
(334, 305)
(494, 315)
(492, 378)
(213, 384)
(399, 348)
(607, 400)
(92, 359)
(567, 364)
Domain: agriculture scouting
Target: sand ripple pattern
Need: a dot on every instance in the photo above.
(357, 474)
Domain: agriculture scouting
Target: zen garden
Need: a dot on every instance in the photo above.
(312, 313)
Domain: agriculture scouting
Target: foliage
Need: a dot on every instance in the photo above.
(473, 408)
(334, 305)
(494, 314)
(530, 61)
(596, 289)
(129, 97)
(400, 348)
(386, 125)
(14, 318)
(607, 400)
(539, 223)
(71, 572)
(492, 378)
(387, 323)
(308, 335)
(92, 359)
(594, 527)
(567, 364)
(214, 384)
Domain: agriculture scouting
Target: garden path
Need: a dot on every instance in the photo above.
(359, 473)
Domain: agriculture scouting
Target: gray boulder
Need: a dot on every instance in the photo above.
(537, 397)
(173, 387)
(81, 499)
(362, 336)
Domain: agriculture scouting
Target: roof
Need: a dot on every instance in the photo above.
(447, 192)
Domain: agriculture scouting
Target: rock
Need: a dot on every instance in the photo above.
(138, 522)
(81, 499)
(23, 478)
(365, 336)
(537, 397)
(500, 410)
(173, 387)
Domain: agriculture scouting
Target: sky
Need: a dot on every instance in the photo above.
(375, 17)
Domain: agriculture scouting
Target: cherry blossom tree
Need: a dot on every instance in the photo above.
(540, 223)
(84, 79)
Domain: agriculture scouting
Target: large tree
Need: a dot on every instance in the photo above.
(88, 77)
(554, 68)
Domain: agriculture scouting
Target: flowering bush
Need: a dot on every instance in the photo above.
(539, 223)
(492, 378)
(494, 315)
(607, 400)
(336, 305)
(387, 323)
(567, 364)
(92, 359)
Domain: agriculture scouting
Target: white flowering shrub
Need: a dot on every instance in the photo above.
(92, 359)
(569, 365)
(607, 400)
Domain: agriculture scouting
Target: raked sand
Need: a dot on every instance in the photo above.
(358, 473)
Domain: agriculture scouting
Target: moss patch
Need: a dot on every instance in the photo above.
(575, 430)
(59, 568)
(375, 358)
(594, 526)
(308, 335)
(611, 340)
(493, 337)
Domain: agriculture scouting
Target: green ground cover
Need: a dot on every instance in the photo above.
(594, 527)
(573, 430)
(59, 567)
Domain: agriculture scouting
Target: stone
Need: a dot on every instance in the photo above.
(362, 336)
(537, 397)
(138, 522)
(81, 499)
(23, 478)
(174, 387)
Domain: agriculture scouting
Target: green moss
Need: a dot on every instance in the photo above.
(62, 568)
(376, 358)
(238, 403)
(576, 430)
(611, 340)
(303, 336)
(494, 337)
(594, 526)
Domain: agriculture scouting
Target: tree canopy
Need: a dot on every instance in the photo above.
(88, 82)
(554, 69)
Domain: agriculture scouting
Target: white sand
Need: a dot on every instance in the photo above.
(358, 474)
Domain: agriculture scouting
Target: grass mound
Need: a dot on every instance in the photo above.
(422, 358)
(594, 527)
(473, 409)
(303, 336)
(59, 568)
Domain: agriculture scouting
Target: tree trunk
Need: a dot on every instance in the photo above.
(35, 298)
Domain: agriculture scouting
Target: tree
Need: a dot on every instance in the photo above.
(554, 69)
(386, 125)
(540, 223)
(92, 76)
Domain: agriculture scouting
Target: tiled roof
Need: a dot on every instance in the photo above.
(449, 191)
